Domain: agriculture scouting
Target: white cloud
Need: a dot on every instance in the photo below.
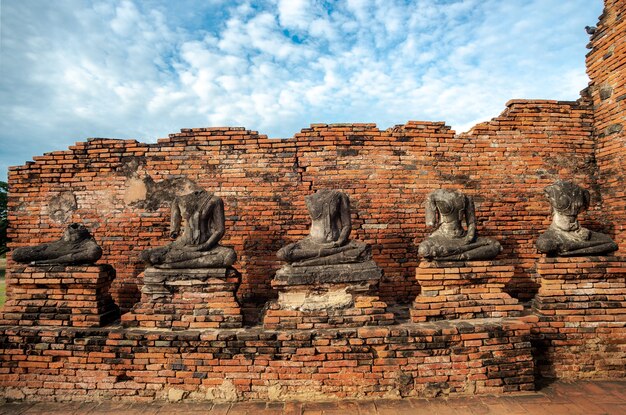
(81, 68)
(294, 13)
(126, 18)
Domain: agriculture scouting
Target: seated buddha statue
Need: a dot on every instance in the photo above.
(202, 214)
(565, 236)
(76, 247)
(328, 240)
(445, 210)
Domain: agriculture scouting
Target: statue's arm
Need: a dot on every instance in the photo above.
(346, 224)
(175, 220)
(431, 212)
(219, 225)
(470, 218)
(583, 233)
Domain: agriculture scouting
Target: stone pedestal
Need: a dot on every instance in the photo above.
(60, 295)
(581, 305)
(463, 290)
(594, 287)
(187, 299)
(327, 296)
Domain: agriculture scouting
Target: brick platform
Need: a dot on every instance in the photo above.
(187, 299)
(364, 311)
(441, 358)
(463, 290)
(594, 287)
(581, 304)
(60, 296)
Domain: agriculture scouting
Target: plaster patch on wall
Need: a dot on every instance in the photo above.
(299, 390)
(61, 207)
(605, 92)
(311, 301)
(141, 191)
(145, 193)
(226, 392)
(105, 201)
(135, 190)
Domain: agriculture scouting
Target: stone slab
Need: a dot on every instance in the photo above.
(327, 274)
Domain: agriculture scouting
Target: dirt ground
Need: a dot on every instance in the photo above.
(574, 398)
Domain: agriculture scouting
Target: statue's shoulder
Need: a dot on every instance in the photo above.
(215, 199)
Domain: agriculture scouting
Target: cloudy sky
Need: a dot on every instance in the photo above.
(73, 69)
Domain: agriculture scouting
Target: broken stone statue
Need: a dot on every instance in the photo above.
(76, 247)
(197, 245)
(326, 259)
(445, 210)
(195, 257)
(328, 241)
(565, 236)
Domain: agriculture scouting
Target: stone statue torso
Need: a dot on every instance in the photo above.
(451, 207)
(196, 213)
(328, 240)
(201, 215)
(324, 208)
(565, 236)
(446, 210)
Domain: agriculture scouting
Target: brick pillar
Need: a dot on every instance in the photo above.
(593, 287)
(183, 299)
(323, 297)
(581, 305)
(463, 290)
(60, 296)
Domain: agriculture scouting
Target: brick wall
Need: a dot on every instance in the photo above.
(117, 186)
(606, 66)
(433, 359)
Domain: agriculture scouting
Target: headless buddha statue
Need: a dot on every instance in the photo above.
(76, 247)
(565, 236)
(328, 240)
(445, 210)
(197, 246)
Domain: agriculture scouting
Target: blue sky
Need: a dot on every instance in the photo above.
(73, 69)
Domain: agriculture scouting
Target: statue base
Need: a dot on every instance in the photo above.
(60, 295)
(591, 286)
(581, 308)
(327, 296)
(181, 299)
(463, 290)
